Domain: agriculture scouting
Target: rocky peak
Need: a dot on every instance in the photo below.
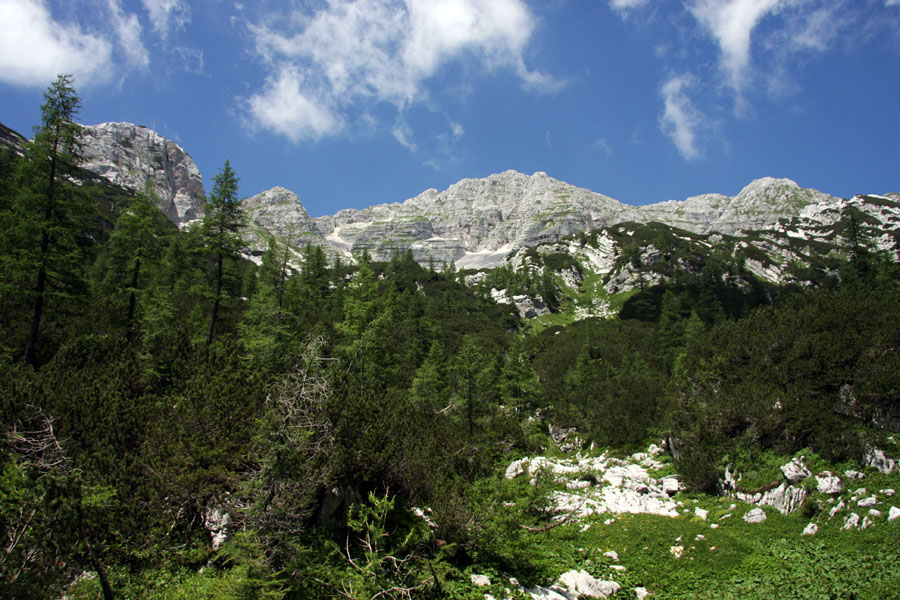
(279, 212)
(474, 222)
(131, 156)
(758, 206)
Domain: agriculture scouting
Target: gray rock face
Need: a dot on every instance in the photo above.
(479, 223)
(131, 156)
(278, 212)
(758, 206)
(476, 223)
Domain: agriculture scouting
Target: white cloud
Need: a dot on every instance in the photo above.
(892, 2)
(403, 133)
(731, 22)
(34, 48)
(166, 15)
(128, 34)
(353, 54)
(624, 6)
(680, 120)
(603, 146)
(286, 106)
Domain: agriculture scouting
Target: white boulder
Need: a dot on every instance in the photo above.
(851, 522)
(811, 529)
(581, 583)
(217, 521)
(894, 513)
(828, 483)
(480, 580)
(756, 515)
(795, 471)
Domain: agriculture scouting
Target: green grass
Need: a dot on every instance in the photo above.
(735, 560)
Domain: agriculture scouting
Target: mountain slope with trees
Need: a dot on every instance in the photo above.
(189, 423)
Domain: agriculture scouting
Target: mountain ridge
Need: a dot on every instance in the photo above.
(473, 223)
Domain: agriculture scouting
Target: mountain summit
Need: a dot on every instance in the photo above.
(475, 223)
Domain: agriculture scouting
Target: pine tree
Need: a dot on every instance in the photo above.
(221, 233)
(48, 208)
(136, 243)
(431, 387)
(264, 326)
(519, 385)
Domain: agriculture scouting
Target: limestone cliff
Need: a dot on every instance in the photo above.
(477, 223)
(130, 156)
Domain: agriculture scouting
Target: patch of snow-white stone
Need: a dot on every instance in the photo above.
(828, 483)
(755, 515)
(613, 485)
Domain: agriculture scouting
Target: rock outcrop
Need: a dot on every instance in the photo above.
(480, 223)
(132, 156)
(602, 484)
(476, 223)
(758, 206)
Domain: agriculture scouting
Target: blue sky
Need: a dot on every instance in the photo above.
(355, 102)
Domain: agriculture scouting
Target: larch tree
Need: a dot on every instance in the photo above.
(221, 231)
(136, 243)
(50, 206)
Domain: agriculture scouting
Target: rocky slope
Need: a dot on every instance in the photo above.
(589, 270)
(132, 156)
(477, 223)
(481, 223)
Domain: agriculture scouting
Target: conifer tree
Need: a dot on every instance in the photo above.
(221, 233)
(431, 386)
(135, 243)
(48, 208)
(519, 385)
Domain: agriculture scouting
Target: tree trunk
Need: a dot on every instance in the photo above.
(31, 344)
(101, 573)
(41, 284)
(215, 310)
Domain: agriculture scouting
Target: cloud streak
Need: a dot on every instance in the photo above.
(352, 55)
(167, 15)
(623, 7)
(731, 22)
(128, 35)
(680, 120)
